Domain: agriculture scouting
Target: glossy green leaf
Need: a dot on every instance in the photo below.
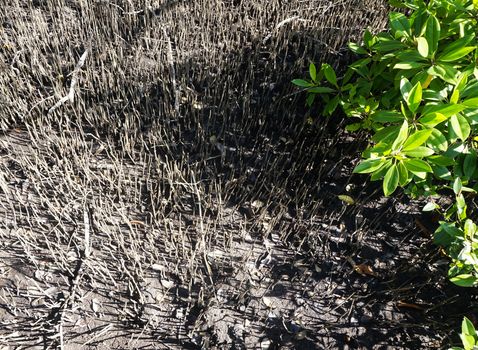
(432, 33)
(357, 49)
(471, 102)
(419, 152)
(409, 65)
(450, 56)
(390, 181)
(430, 206)
(446, 109)
(321, 90)
(313, 72)
(422, 46)
(416, 139)
(368, 166)
(467, 327)
(302, 83)
(432, 119)
(329, 73)
(446, 234)
(445, 72)
(403, 175)
(467, 340)
(388, 45)
(437, 141)
(378, 174)
(387, 116)
(400, 24)
(455, 96)
(401, 137)
(417, 166)
(405, 88)
(441, 160)
(457, 186)
(415, 97)
(387, 134)
(464, 280)
(460, 126)
(469, 228)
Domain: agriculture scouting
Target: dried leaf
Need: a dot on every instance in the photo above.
(346, 198)
(364, 269)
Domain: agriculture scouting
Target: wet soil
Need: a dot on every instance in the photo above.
(185, 199)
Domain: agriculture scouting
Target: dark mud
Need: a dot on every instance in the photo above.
(183, 200)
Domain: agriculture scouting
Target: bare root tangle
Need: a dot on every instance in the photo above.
(180, 199)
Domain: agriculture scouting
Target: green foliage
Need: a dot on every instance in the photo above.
(414, 89)
(469, 337)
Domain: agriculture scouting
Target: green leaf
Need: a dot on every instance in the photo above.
(401, 137)
(417, 166)
(467, 340)
(446, 109)
(415, 97)
(432, 33)
(446, 234)
(353, 127)
(387, 134)
(450, 56)
(331, 106)
(378, 174)
(404, 177)
(422, 46)
(442, 172)
(464, 280)
(430, 206)
(457, 186)
(302, 83)
(369, 165)
(437, 141)
(471, 102)
(416, 139)
(320, 90)
(469, 164)
(419, 152)
(455, 96)
(460, 126)
(329, 73)
(387, 116)
(313, 72)
(310, 99)
(399, 24)
(469, 228)
(441, 160)
(405, 88)
(390, 181)
(432, 119)
(445, 72)
(467, 327)
(357, 49)
(409, 65)
(385, 45)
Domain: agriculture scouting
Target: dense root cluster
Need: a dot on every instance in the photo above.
(160, 187)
